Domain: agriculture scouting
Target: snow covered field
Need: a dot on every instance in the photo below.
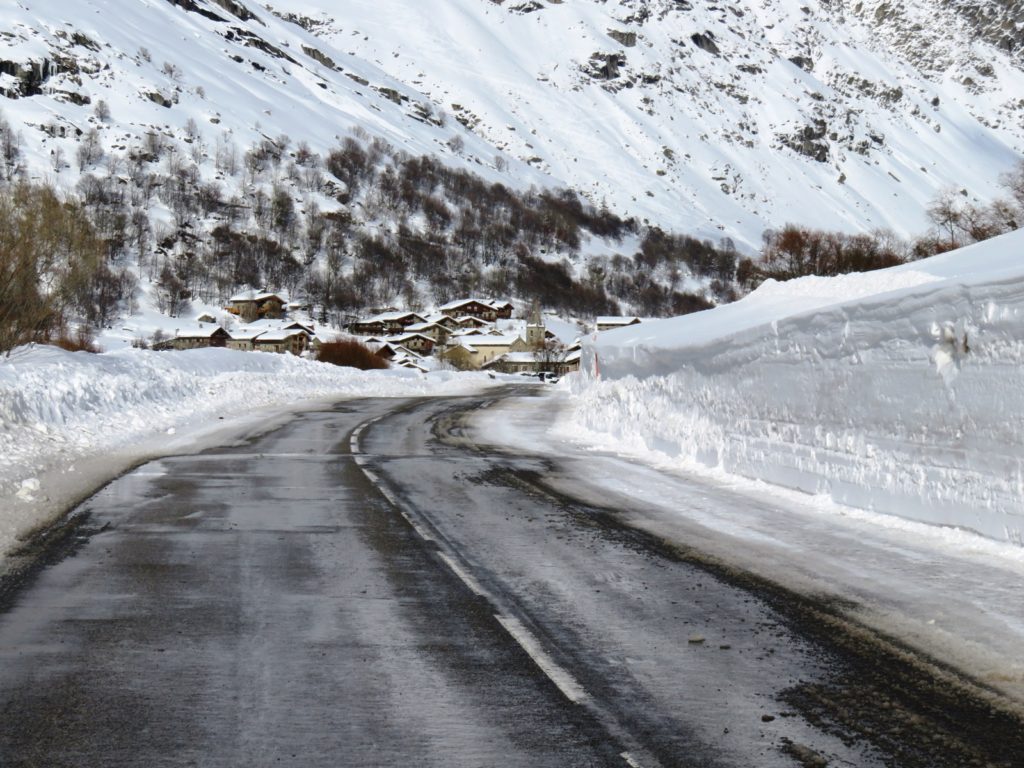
(71, 421)
(899, 392)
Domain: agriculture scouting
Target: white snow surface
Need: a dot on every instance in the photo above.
(840, 115)
(71, 421)
(899, 391)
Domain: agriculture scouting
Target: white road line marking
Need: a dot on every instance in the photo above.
(630, 760)
(562, 679)
(566, 683)
(391, 499)
(466, 579)
(374, 478)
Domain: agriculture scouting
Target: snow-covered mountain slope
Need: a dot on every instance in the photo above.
(712, 118)
(721, 116)
(898, 391)
(235, 70)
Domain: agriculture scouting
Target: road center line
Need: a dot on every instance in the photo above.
(562, 679)
(566, 683)
(466, 579)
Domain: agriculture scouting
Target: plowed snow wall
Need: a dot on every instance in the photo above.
(912, 406)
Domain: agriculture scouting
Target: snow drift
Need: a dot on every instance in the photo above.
(899, 391)
(71, 421)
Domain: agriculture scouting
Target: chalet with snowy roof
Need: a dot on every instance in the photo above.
(515, 362)
(293, 340)
(476, 351)
(446, 321)
(196, 337)
(411, 364)
(386, 323)
(253, 305)
(558, 360)
(482, 309)
(417, 342)
(435, 331)
(242, 338)
(394, 352)
(611, 323)
(469, 321)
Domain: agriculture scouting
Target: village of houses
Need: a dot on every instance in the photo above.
(466, 334)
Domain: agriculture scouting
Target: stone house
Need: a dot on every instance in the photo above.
(514, 362)
(242, 338)
(292, 340)
(435, 331)
(254, 305)
(417, 342)
(482, 309)
(476, 351)
(385, 323)
(196, 338)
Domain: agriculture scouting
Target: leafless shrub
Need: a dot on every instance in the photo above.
(350, 353)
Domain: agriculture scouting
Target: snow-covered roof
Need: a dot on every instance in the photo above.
(493, 303)
(268, 324)
(470, 320)
(495, 341)
(411, 364)
(199, 331)
(405, 337)
(282, 334)
(615, 320)
(245, 333)
(416, 327)
(403, 351)
(385, 317)
(254, 296)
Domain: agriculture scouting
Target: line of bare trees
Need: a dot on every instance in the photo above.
(796, 250)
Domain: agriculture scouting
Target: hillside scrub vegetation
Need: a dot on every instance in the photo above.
(797, 251)
(187, 217)
(53, 266)
(350, 353)
(364, 226)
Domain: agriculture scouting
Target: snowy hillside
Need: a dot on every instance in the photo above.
(706, 118)
(719, 117)
(897, 391)
(237, 71)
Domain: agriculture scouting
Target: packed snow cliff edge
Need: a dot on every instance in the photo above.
(899, 391)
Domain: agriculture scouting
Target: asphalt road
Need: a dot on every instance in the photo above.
(368, 586)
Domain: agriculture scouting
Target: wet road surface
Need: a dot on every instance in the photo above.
(367, 586)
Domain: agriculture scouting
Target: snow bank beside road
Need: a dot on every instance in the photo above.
(69, 421)
(907, 399)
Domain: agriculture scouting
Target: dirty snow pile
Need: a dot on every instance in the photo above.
(70, 421)
(899, 391)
